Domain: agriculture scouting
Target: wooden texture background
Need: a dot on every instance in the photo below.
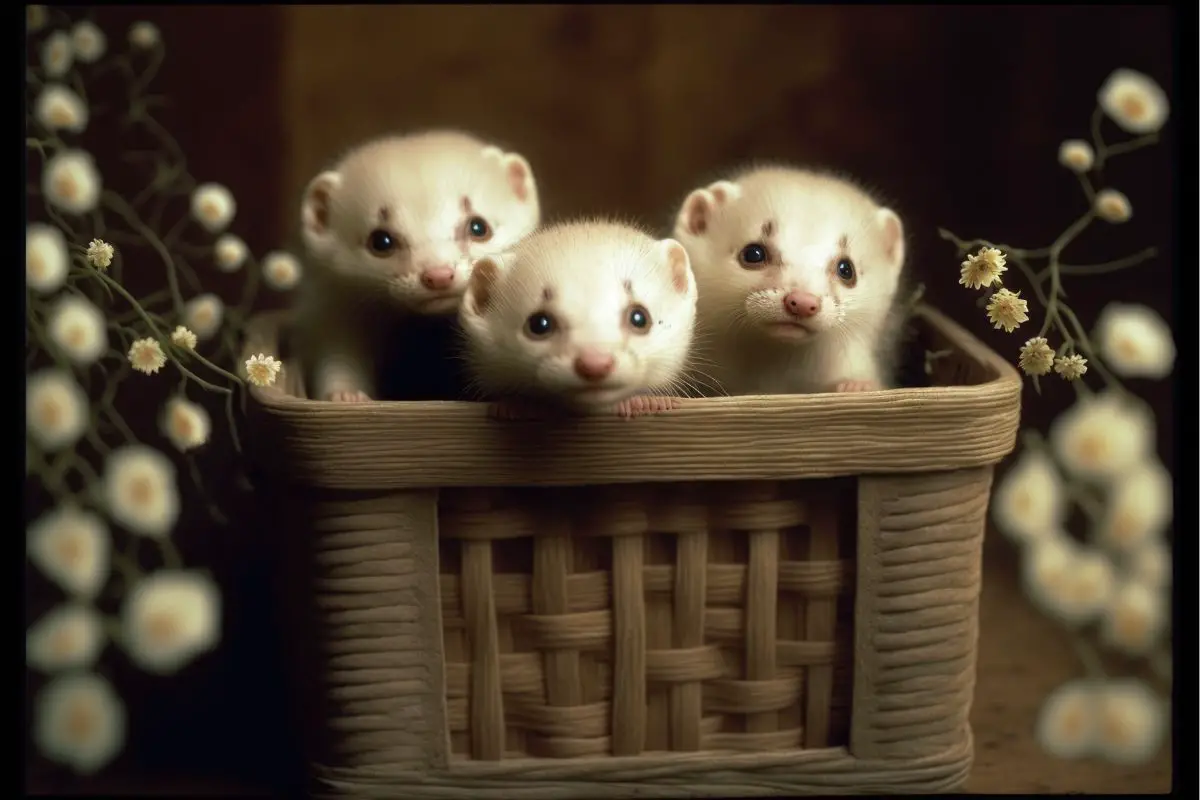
(954, 114)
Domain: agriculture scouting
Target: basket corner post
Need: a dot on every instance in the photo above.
(919, 574)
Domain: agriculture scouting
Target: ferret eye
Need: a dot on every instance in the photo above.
(639, 318)
(845, 270)
(478, 229)
(539, 325)
(381, 243)
(753, 255)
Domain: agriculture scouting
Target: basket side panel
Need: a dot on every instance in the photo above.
(368, 606)
(917, 609)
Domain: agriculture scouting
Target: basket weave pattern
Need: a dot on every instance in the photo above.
(745, 597)
(641, 621)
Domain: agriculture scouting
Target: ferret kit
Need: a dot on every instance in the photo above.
(676, 525)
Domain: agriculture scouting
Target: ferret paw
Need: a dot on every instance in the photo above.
(512, 409)
(347, 397)
(857, 386)
(645, 404)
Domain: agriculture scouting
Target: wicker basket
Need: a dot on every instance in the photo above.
(744, 597)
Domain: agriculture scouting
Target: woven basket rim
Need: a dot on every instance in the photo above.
(388, 445)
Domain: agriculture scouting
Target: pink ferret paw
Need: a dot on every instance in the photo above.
(857, 386)
(646, 404)
(348, 396)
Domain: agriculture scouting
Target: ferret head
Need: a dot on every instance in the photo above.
(792, 255)
(586, 313)
(411, 214)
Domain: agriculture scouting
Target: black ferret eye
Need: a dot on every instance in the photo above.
(539, 325)
(753, 255)
(478, 229)
(380, 242)
(639, 318)
(845, 270)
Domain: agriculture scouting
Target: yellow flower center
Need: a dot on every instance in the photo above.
(1130, 625)
(210, 210)
(203, 316)
(69, 551)
(1116, 731)
(184, 425)
(36, 264)
(81, 723)
(62, 644)
(1092, 449)
(162, 628)
(140, 491)
(1124, 528)
(1073, 723)
(60, 115)
(66, 186)
(1132, 106)
(76, 336)
(1022, 501)
(51, 413)
(1126, 348)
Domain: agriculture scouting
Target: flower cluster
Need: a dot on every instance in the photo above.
(88, 337)
(1111, 586)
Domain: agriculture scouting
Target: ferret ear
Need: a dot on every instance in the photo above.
(481, 288)
(516, 170)
(892, 232)
(679, 266)
(697, 209)
(314, 208)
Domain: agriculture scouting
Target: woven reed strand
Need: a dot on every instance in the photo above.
(625, 654)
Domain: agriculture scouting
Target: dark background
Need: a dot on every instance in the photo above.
(953, 114)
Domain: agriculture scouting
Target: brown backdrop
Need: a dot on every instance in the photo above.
(954, 114)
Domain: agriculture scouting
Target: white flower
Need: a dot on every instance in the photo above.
(1134, 619)
(1076, 155)
(1072, 367)
(203, 315)
(983, 268)
(146, 355)
(262, 369)
(57, 55)
(68, 637)
(71, 182)
(60, 108)
(79, 721)
(169, 618)
(1067, 722)
(56, 409)
(1140, 506)
(281, 270)
(46, 258)
(1007, 309)
(76, 326)
(185, 424)
(1066, 581)
(139, 490)
(72, 548)
(1135, 341)
(1132, 722)
(213, 206)
(1036, 357)
(100, 253)
(1102, 436)
(1029, 501)
(35, 18)
(182, 337)
(1112, 206)
(88, 41)
(1134, 101)
(144, 35)
(230, 252)
(1150, 564)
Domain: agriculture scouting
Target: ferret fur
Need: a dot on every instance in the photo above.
(592, 278)
(365, 319)
(806, 222)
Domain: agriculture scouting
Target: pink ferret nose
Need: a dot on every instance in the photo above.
(593, 365)
(801, 304)
(437, 278)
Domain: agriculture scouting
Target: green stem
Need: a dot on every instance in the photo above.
(1105, 267)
